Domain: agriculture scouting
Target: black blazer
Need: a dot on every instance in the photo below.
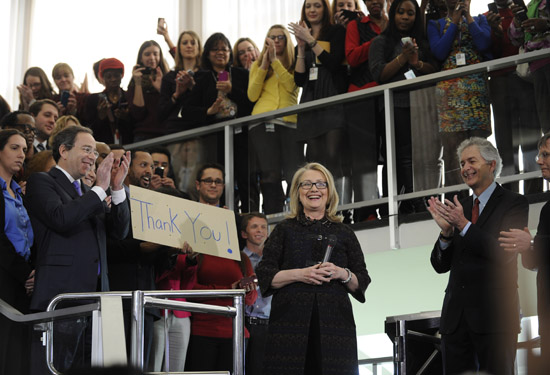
(483, 277)
(204, 94)
(70, 236)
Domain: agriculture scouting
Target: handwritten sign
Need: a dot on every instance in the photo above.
(171, 221)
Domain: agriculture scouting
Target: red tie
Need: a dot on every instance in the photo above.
(475, 211)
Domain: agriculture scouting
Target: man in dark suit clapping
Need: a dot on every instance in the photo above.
(480, 316)
(71, 224)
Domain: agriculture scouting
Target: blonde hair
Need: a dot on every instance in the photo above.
(287, 60)
(61, 124)
(59, 67)
(236, 60)
(296, 206)
(179, 59)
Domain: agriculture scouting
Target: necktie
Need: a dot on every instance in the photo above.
(76, 184)
(475, 211)
(40, 147)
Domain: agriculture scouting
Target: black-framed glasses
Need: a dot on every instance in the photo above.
(307, 185)
(542, 156)
(90, 151)
(280, 38)
(209, 181)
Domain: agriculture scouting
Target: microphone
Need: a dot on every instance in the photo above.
(331, 243)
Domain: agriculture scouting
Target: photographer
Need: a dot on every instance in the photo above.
(144, 90)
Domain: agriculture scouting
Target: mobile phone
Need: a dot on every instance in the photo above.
(64, 97)
(522, 14)
(350, 14)
(159, 171)
(492, 8)
(248, 280)
(161, 24)
(146, 70)
(223, 76)
(405, 40)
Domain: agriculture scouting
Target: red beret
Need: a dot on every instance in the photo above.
(111, 63)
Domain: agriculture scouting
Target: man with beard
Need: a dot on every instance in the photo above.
(45, 113)
(132, 262)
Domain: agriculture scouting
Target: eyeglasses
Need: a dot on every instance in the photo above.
(23, 128)
(216, 50)
(280, 38)
(307, 185)
(243, 51)
(90, 151)
(209, 181)
(542, 156)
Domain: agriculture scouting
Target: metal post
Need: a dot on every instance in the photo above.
(238, 336)
(393, 206)
(229, 168)
(136, 357)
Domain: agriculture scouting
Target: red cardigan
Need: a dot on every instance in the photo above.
(180, 277)
(219, 273)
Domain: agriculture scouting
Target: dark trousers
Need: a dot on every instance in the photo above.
(255, 348)
(209, 354)
(465, 350)
(71, 346)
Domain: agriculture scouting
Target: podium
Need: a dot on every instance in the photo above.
(416, 343)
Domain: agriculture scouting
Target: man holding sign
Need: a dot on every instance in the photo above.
(210, 347)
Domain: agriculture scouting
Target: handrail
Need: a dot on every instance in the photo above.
(488, 66)
(49, 316)
(145, 299)
(386, 91)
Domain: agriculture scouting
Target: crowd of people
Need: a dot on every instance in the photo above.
(216, 81)
(65, 175)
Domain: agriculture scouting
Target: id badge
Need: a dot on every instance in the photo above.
(409, 74)
(270, 128)
(313, 73)
(460, 59)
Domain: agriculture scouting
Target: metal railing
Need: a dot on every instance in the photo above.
(387, 91)
(140, 301)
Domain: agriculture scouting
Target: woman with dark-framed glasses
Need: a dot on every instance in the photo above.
(311, 326)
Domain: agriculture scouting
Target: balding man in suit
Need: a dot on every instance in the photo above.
(71, 224)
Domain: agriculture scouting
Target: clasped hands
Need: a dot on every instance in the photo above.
(322, 273)
(120, 170)
(447, 215)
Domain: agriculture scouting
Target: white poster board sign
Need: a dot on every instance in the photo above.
(170, 221)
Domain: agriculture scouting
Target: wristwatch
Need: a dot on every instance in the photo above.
(313, 44)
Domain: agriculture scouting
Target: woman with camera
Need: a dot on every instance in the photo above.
(463, 102)
(144, 90)
(70, 99)
(311, 324)
(401, 52)
(177, 83)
